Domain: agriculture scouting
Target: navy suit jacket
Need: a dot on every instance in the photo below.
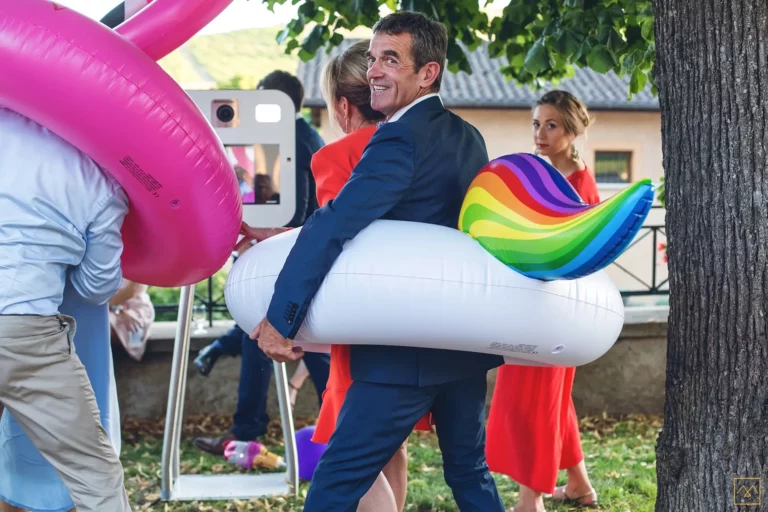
(308, 141)
(418, 169)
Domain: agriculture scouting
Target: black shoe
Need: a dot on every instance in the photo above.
(206, 358)
(214, 445)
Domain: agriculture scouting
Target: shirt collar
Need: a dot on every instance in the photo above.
(397, 115)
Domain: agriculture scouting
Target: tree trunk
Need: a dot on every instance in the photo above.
(712, 74)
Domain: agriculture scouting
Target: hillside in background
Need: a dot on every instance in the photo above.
(205, 61)
(242, 56)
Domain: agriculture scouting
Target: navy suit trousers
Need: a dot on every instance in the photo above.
(377, 418)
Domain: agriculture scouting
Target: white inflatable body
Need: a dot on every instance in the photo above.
(420, 285)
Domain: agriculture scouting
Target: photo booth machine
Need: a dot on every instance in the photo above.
(258, 130)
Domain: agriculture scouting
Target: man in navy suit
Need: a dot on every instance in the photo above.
(417, 167)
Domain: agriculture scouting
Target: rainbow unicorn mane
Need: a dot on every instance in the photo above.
(527, 215)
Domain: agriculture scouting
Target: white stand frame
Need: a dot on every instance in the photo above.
(178, 487)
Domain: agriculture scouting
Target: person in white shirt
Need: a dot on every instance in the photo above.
(60, 218)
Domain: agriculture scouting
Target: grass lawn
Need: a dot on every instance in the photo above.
(619, 455)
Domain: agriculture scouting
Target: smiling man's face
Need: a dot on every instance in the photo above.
(394, 82)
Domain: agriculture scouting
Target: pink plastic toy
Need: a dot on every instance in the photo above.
(108, 98)
(250, 454)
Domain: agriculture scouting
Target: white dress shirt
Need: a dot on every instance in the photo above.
(60, 215)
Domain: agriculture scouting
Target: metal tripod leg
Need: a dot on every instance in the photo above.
(176, 393)
(289, 433)
(174, 485)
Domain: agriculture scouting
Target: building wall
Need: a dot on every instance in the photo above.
(628, 379)
(509, 131)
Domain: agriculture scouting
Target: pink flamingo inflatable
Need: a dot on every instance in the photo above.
(103, 92)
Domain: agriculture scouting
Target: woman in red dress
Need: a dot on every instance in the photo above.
(348, 96)
(533, 431)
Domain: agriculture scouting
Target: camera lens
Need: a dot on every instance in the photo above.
(225, 113)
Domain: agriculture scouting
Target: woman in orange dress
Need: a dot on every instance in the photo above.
(348, 96)
(533, 431)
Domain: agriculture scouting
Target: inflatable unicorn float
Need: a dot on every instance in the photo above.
(521, 277)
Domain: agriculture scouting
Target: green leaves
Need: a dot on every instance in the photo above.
(637, 82)
(661, 191)
(542, 39)
(336, 39)
(598, 34)
(601, 59)
(612, 40)
(457, 60)
(538, 59)
(647, 30)
(580, 57)
(516, 55)
(567, 42)
(315, 40)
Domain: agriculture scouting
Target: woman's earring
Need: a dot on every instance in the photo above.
(574, 153)
(536, 150)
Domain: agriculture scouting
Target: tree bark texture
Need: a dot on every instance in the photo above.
(712, 74)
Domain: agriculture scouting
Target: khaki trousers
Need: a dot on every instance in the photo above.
(44, 385)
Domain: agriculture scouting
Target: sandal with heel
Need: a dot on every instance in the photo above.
(585, 500)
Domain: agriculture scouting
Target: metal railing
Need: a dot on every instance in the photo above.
(214, 306)
(650, 285)
(211, 301)
(656, 285)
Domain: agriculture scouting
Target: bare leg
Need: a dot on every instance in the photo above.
(389, 490)
(396, 472)
(379, 497)
(578, 487)
(297, 380)
(578, 481)
(529, 500)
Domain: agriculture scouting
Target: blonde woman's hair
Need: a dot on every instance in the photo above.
(576, 119)
(346, 76)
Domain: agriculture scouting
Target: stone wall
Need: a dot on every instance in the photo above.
(628, 379)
